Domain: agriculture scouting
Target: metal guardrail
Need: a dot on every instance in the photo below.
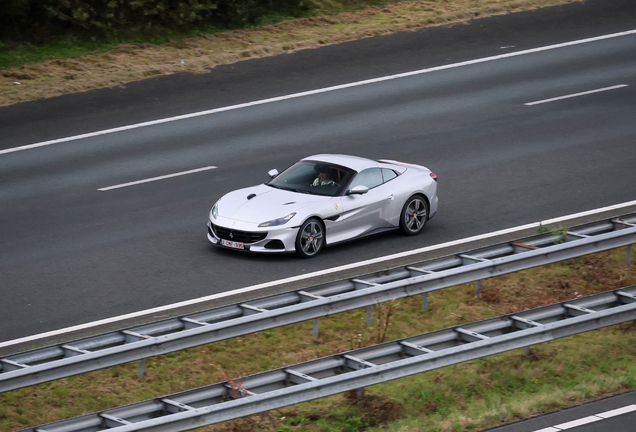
(136, 343)
(359, 368)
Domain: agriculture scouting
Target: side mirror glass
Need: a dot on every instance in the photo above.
(358, 190)
(272, 173)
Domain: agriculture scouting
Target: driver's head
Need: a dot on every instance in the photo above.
(323, 172)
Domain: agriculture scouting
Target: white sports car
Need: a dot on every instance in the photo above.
(322, 200)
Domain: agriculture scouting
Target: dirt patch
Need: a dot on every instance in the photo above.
(375, 410)
(128, 63)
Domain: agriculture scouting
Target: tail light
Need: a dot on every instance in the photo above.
(434, 176)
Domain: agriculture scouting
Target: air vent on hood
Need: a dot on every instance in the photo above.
(293, 202)
(250, 196)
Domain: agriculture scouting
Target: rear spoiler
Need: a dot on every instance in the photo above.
(405, 164)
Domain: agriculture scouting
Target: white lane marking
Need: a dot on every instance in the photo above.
(315, 274)
(576, 95)
(322, 90)
(590, 419)
(577, 423)
(618, 411)
(156, 178)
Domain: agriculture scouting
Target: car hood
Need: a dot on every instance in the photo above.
(264, 203)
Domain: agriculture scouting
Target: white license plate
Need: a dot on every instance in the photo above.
(233, 244)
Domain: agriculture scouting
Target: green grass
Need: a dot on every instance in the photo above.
(469, 397)
(13, 54)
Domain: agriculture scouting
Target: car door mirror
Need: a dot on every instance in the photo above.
(272, 173)
(358, 190)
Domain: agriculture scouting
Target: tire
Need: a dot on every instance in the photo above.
(414, 215)
(310, 238)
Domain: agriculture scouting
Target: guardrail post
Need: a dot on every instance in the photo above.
(360, 393)
(425, 301)
(477, 288)
(526, 351)
(316, 328)
(628, 254)
(369, 316)
(140, 369)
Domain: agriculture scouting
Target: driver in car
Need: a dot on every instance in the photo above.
(324, 177)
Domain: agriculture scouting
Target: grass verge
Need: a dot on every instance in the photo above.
(33, 73)
(467, 397)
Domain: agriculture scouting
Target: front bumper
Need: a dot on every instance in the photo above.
(267, 240)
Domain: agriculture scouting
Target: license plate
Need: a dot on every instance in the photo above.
(233, 244)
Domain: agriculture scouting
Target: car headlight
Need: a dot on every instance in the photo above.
(276, 222)
(215, 210)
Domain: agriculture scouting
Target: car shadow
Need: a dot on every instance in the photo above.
(350, 251)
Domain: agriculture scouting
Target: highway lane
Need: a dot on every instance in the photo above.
(70, 253)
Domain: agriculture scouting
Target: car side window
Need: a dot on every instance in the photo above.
(370, 178)
(388, 174)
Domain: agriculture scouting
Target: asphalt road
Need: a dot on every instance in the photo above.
(70, 253)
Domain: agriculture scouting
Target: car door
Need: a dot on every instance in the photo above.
(367, 212)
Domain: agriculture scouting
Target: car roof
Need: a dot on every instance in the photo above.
(354, 162)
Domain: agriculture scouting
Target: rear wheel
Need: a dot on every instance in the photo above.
(414, 215)
(310, 238)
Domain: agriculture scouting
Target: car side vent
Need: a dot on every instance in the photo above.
(250, 196)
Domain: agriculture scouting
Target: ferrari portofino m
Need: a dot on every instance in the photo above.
(322, 200)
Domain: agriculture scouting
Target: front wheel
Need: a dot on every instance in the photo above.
(414, 215)
(310, 238)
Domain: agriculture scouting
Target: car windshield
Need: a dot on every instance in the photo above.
(313, 177)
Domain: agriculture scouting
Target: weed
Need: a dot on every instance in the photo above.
(385, 312)
(561, 233)
(295, 421)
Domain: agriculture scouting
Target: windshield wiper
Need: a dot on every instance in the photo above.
(290, 189)
(302, 191)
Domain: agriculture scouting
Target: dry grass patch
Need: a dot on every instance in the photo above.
(570, 279)
(127, 63)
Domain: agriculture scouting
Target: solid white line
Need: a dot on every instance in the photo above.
(618, 411)
(590, 419)
(576, 94)
(323, 90)
(314, 274)
(156, 178)
(577, 422)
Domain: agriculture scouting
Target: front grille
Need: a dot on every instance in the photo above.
(238, 236)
